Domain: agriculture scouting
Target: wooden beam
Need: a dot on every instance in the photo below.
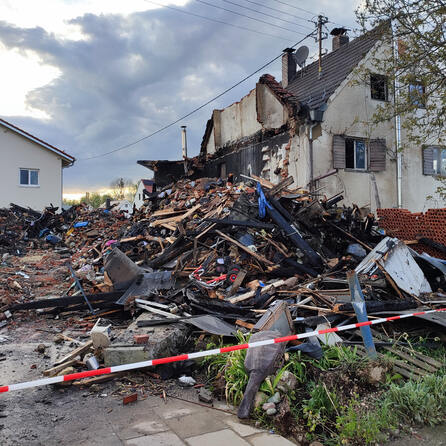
(259, 257)
(75, 353)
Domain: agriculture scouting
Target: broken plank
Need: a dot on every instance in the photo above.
(78, 351)
(252, 293)
(177, 218)
(237, 282)
(411, 359)
(241, 323)
(97, 379)
(55, 370)
(259, 257)
(282, 185)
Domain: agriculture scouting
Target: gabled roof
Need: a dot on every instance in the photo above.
(67, 159)
(312, 90)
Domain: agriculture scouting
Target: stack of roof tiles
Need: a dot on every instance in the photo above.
(411, 226)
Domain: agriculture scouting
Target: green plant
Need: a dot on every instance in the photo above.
(421, 402)
(321, 405)
(269, 387)
(357, 426)
(232, 367)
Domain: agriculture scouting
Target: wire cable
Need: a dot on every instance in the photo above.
(295, 7)
(265, 14)
(126, 146)
(278, 10)
(215, 20)
(247, 16)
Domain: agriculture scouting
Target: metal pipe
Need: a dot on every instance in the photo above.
(399, 155)
(184, 146)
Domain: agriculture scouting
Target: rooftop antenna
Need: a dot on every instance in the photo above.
(301, 56)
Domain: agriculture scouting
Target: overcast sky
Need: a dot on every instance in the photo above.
(89, 76)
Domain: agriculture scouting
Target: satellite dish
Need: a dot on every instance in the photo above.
(301, 55)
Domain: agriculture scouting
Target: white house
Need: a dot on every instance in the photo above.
(31, 170)
(119, 206)
(145, 188)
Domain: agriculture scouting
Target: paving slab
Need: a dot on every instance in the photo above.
(244, 430)
(147, 426)
(196, 423)
(224, 437)
(267, 439)
(162, 439)
(177, 410)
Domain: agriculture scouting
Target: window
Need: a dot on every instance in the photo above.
(359, 153)
(416, 94)
(29, 177)
(378, 87)
(355, 154)
(434, 161)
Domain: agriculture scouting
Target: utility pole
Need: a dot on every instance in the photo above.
(321, 21)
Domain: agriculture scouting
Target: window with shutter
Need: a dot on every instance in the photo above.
(377, 149)
(338, 152)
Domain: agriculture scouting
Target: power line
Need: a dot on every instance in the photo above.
(295, 7)
(278, 10)
(193, 111)
(216, 20)
(247, 16)
(265, 14)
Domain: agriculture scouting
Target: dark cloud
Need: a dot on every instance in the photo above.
(132, 75)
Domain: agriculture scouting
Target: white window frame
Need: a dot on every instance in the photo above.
(366, 146)
(29, 177)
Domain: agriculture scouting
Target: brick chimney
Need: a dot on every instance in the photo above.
(288, 67)
(339, 38)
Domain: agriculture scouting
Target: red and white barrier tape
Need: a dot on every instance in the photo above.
(216, 351)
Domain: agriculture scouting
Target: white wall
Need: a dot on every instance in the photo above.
(416, 186)
(349, 113)
(139, 196)
(18, 152)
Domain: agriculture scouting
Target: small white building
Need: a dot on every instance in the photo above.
(144, 190)
(119, 206)
(31, 170)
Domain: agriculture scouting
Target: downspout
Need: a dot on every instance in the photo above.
(310, 138)
(399, 155)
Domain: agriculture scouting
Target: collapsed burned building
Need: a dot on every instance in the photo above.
(315, 125)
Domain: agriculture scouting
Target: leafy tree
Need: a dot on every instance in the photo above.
(123, 188)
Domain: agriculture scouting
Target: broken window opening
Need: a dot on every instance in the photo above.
(378, 87)
(355, 154)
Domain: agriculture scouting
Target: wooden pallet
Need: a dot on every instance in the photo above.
(412, 365)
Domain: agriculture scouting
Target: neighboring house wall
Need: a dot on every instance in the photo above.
(138, 201)
(18, 152)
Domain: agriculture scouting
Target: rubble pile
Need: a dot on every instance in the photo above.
(218, 256)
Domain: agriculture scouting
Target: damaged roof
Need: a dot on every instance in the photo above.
(66, 159)
(312, 90)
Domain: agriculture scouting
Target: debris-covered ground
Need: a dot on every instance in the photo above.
(208, 263)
